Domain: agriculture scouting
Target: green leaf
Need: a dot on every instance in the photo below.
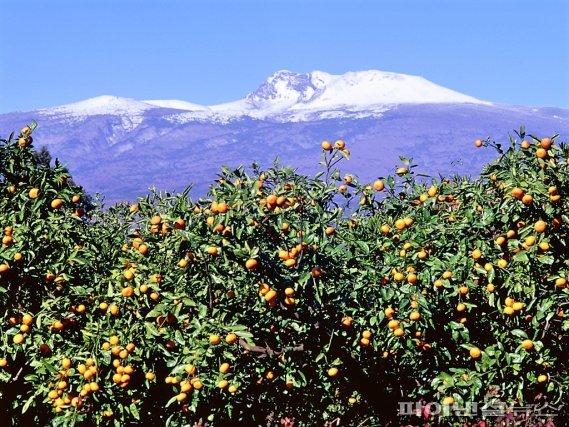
(519, 333)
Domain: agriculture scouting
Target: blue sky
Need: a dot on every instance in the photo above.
(211, 51)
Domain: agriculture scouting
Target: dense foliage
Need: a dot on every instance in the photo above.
(283, 299)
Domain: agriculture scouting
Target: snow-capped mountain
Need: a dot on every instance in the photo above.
(121, 146)
(100, 105)
(287, 96)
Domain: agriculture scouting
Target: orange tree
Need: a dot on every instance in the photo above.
(281, 298)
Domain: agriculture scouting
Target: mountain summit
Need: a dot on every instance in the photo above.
(288, 96)
(363, 88)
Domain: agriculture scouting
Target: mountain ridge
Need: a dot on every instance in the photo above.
(287, 95)
(121, 146)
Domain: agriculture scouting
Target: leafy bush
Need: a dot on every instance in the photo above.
(283, 299)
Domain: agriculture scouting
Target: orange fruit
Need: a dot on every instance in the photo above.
(541, 153)
(392, 324)
(231, 338)
(517, 306)
(448, 401)
(214, 339)
(527, 199)
(527, 344)
(398, 332)
(517, 192)
(56, 203)
(542, 378)
(332, 372)
(401, 171)
(540, 226)
(432, 191)
(128, 274)
(340, 144)
(222, 207)
(475, 352)
(378, 185)
(326, 145)
(290, 262)
(271, 295)
(476, 254)
(530, 240)
(34, 193)
(525, 144)
(546, 143)
(18, 339)
(478, 143)
(224, 368)
(400, 224)
(251, 264)
(127, 292)
(27, 319)
(66, 363)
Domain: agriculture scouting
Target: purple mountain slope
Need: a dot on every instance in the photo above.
(121, 147)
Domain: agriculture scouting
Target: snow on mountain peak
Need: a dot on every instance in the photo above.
(284, 89)
(176, 104)
(284, 96)
(320, 90)
(105, 104)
